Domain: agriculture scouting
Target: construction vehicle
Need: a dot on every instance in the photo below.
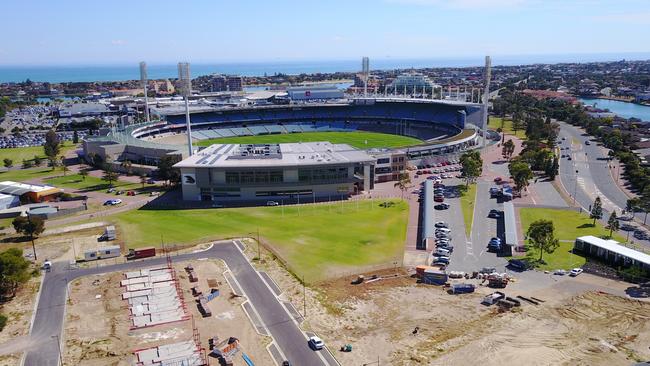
(497, 280)
(144, 252)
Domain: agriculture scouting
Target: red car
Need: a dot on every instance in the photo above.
(498, 180)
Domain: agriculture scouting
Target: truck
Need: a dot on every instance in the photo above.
(108, 235)
(493, 298)
(138, 253)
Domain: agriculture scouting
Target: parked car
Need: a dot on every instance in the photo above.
(628, 227)
(495, 214)
(151, 181)
(518, 264)
(498, 180)
(441, 252)
(443, 230)
(439, 199)
(442, 206)
(441, 259)
(494, 191)
(448, 247)
(272, 203)
(316, 343)
(441, 224)
(560, 272)
(112, 202)
(576, 271)
(488, 270)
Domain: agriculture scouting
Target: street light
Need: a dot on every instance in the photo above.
(575, 188)
(58, 344)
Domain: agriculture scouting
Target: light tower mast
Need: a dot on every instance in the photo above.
(144, 80)
(486, 96)
(185, 84)
(365, 70)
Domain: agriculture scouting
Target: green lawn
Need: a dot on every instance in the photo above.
(315, 240)
(568, 226)
(361, 140)
(20, 175)
(496, 122)
(75, 181)
(19, 153)
(467, 200)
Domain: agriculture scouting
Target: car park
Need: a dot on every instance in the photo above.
(316, 343)
(575, 272)
(442, 206)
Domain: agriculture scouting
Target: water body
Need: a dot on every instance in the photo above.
(622, 109)
(79, 73)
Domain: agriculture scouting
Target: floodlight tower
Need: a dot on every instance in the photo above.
(144, 80)
(365, 69)
(185, 84)
(486, 95)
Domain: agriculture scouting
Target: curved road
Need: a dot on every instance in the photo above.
(41, 348)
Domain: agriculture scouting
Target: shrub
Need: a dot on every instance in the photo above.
(3, 321)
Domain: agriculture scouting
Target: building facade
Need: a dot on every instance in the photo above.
(308, 171)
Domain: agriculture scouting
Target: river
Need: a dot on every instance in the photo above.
(622, 109)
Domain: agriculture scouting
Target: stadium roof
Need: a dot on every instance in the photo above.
(18, 189)
(614, 247)
(274, 155)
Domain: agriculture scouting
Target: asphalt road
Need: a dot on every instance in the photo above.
(594, 177)
(42, 349)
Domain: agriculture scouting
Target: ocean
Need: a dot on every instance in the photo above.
(80, 73)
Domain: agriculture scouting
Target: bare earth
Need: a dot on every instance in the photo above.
(97, 330)
(576, 325)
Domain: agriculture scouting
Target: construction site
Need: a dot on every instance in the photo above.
(172, 314)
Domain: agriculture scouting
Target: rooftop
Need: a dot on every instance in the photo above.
(614, 247)
(17, 189)
(271, 155)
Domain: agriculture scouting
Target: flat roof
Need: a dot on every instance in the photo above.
(615, 247)
(510, 223)
(275, 155)
(17, 188)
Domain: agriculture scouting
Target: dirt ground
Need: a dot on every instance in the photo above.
(576, 325)
(19, 312)
(97, 329)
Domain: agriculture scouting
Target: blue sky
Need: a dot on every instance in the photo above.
(109, 32)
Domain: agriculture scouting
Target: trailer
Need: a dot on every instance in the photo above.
(462, 288)
(144, 252)
(493, 298)
(102, 253)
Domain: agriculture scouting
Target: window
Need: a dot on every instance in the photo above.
(262, 177)
(247, 177)
(383, 161)
(232, 177)
(276, 176)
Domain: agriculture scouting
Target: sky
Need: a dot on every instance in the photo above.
(71, 32)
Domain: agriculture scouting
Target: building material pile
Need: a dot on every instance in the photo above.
(186, 353)
(154, 297)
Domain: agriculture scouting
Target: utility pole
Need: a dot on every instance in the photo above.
(304, 298)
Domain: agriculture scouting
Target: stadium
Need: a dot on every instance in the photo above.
(410, 129)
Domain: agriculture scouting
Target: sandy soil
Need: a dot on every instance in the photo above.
(97, 329)
(19, 313)
(576, 325)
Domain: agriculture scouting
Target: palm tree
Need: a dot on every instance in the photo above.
(403, 183)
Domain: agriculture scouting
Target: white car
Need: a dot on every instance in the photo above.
(113, 202)
(316, 343)
(574, 272)
(272, 203)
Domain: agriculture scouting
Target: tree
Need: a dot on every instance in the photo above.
(52, 147)
(83, 173)
(166, 170)
(521, 174)
(552, 168)
(471, 166)
(596, 211)
(37, 160)
(30, 226)
(27, 164)
(75, 137)
(541, 236)
(109, 175)
(403, 183)
(143, 179)
(612, 223)
(508, 149)
(64, 167)
(8, 162)
(126, 165)
(14, 270)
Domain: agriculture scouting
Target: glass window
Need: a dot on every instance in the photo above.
(276, 176)
(232, 177)
(247, 177)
